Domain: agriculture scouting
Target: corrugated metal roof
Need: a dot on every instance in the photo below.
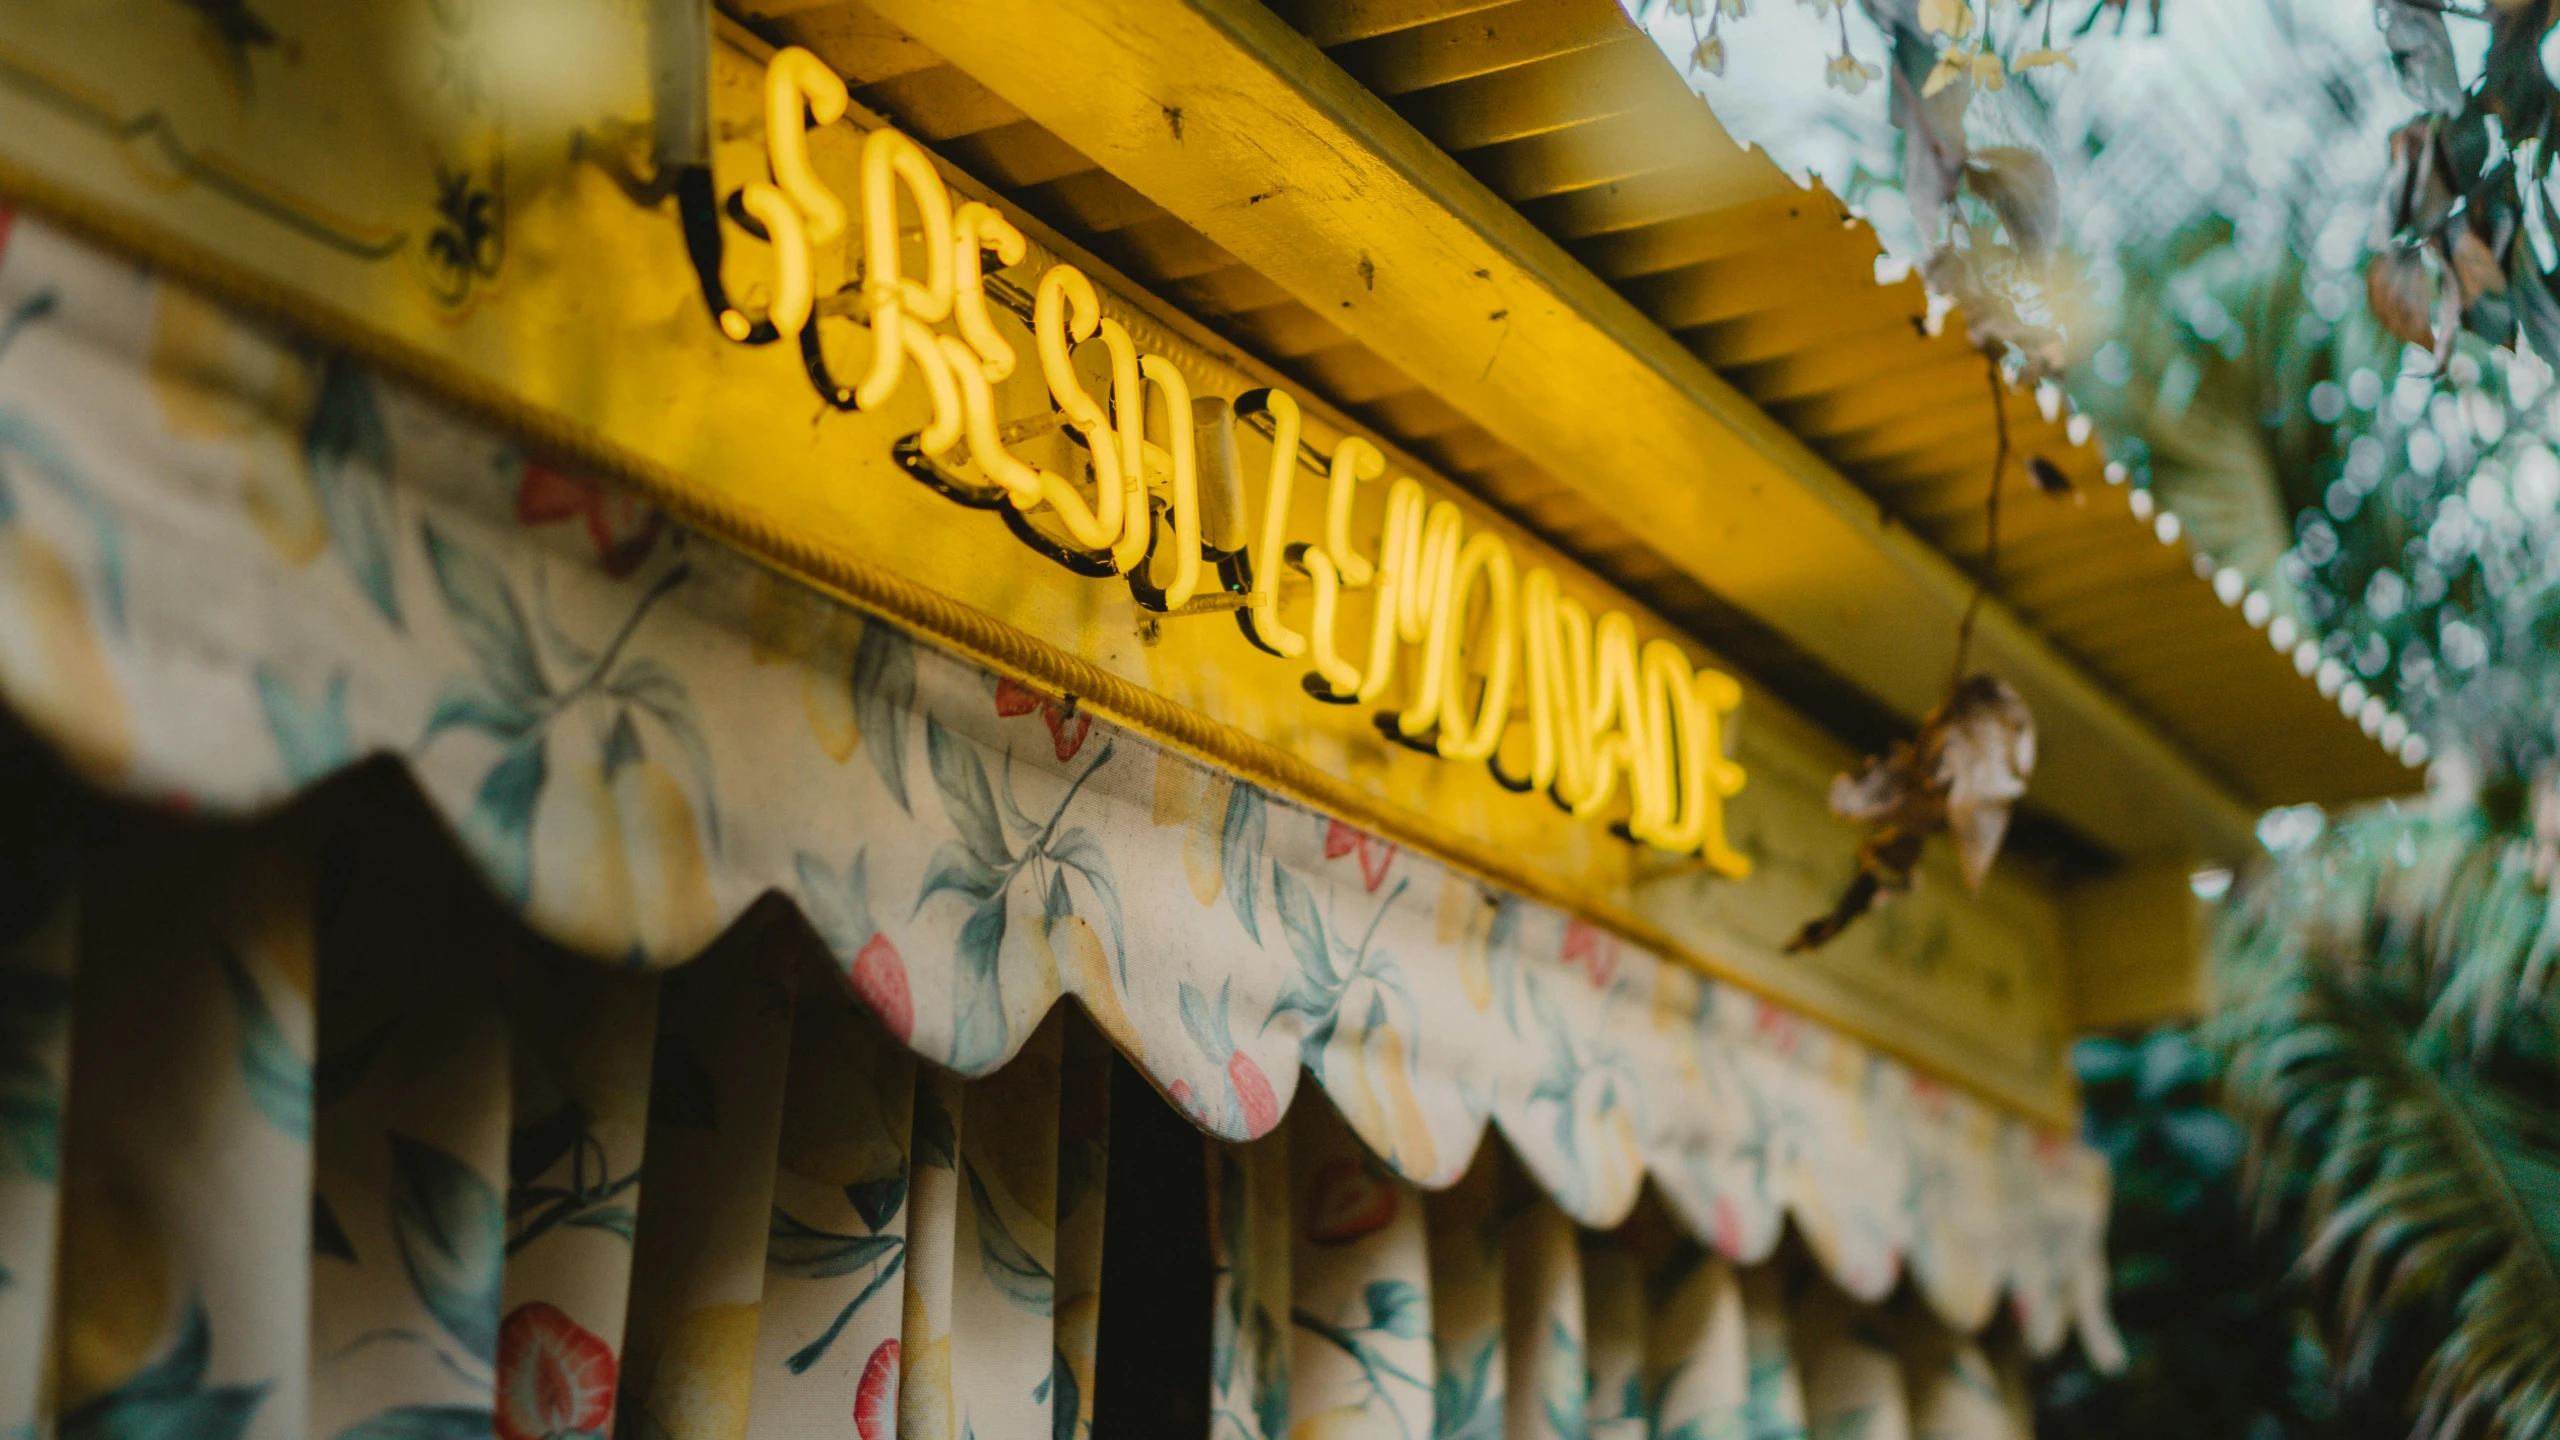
(1569, 112)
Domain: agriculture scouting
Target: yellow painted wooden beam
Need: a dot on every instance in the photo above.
(2137, 942)
(1231, 120)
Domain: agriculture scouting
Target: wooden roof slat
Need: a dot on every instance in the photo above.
(1338, 22)
(1739, 284)
(1090, 201)
(1845, 412)
(1578, 157)
(1705, 236)
(1596, 82)
(1284, 331)
(1680, 186)
(857, 43)
(1848, 363)
(1354, 374)
(1017, 156)
(1417, 415)
(1225, 291)
(939, 105)
(1477, 43)
(1173, 251)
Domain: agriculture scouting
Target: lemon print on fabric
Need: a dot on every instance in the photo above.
(1480, 924)
(597, 810)
(1019, 871)
(1358, 1009)
(114, 1280)
(218, 379)
(704, 1374)
(1612, 1164)
(1369, 1073)
(924, 1392)
(308, 435)
(57, 609)
(1226, 826)
(1076, 956)
(793, 625)
(618, 848)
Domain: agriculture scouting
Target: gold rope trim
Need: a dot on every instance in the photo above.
(958, 627)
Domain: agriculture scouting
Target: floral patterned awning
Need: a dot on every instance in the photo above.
(230, 567)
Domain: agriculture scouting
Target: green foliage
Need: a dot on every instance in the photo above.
(2390, 1041)
(2215, 1345)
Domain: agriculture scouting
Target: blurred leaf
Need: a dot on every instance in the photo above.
(2401, 292)
(2422, 53)
(2018, 185)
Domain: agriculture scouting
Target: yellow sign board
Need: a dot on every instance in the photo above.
(1266, 585)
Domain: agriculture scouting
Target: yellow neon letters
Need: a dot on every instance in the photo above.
(793, 78)
(888, 160)
(1600, 705)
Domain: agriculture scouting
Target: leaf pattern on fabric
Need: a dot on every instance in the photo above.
(422, 1422)
(1466, 1406)
(328, 1233)
(313, 740)
(35, 1012)
(646, 890)
(799, 1249)
(936, 1134)
(482, 608)
(1064, 1401)
(1240, 844)
(348, 450)
(23, 443)
(1358, 1339)
(279, 1080)
(451, 1231)
(1251, 1105)
(1562, 1385)
(648, 684)
(982, 867)
(1014, 1271)
(589, 1197)
(1852, 1425)
(169, 1398)
(884, 700)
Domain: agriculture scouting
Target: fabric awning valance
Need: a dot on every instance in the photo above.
(230, 567)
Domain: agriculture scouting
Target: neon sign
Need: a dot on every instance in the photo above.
(1460, 646)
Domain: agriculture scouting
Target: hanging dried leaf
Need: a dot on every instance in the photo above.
(2417, 194)
(1991, 320)
(1884, 785)
(2422, 52)
(2448, 322)
(1987, 749)
(2018, 185)
(2475, 266)
(2396, 284)
(1961, 773)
